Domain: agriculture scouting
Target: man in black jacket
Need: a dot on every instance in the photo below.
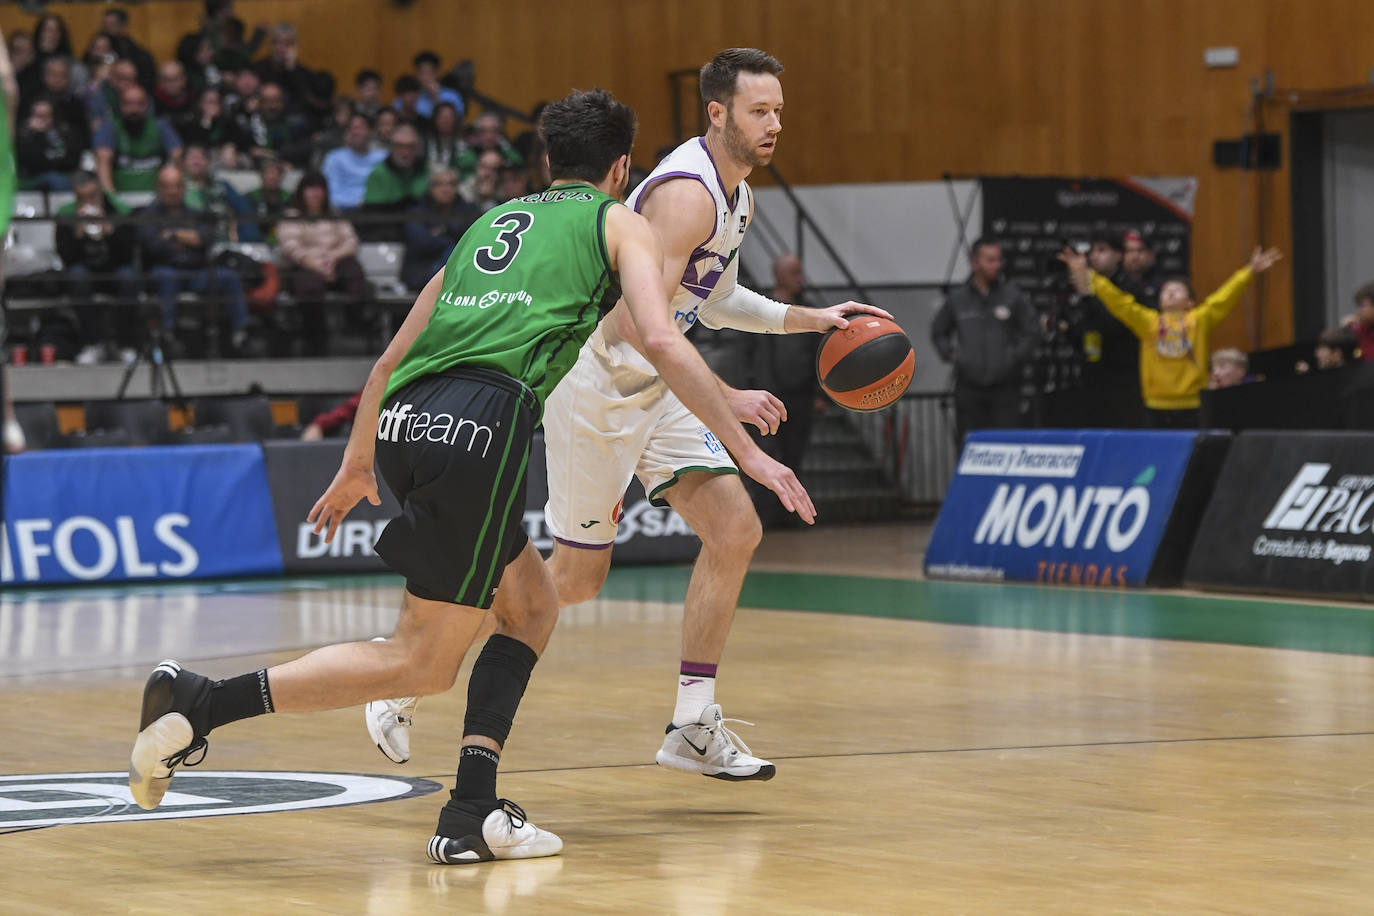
(175, 243)
(45, 152)
(434, 227)
(98, 257)
(988, 329)
(1110, 396)
(67, 107)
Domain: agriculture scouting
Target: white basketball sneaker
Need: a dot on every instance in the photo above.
(506, 834)
(389, 721)
(708, 747)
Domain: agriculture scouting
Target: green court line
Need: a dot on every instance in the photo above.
(1107, 612)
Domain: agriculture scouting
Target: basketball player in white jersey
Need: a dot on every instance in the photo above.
(613, 417)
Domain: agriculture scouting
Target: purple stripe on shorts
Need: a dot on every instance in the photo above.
(582, 546)
(698, 669)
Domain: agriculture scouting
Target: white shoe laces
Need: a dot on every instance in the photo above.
(403, 708)
(732, 740)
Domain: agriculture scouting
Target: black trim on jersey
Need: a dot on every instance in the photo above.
(613, 289)
(569, 335)
(601, 233)
(608, 279)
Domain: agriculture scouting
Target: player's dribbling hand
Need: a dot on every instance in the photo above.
(779, 478)
(348, 486)
(758, 408)
(837, 316)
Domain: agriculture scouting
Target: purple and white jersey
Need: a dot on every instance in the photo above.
(713, 268)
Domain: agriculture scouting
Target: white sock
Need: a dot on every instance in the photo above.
(695, 691)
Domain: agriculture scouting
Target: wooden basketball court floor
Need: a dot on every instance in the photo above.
(941, 748)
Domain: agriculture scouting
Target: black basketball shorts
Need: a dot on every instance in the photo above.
(453, 448)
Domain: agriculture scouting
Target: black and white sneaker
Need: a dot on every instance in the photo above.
(708, 747)
(165, 736)
(505, 834)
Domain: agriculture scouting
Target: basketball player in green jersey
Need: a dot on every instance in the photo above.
(9, 99)
(448, 413)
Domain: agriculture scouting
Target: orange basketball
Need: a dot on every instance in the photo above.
(866, 366)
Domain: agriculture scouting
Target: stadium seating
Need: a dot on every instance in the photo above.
(381, 263)
(248, 418)
(145, 420)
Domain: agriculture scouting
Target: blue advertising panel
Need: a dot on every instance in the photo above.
(171, 512)
(1062, 507)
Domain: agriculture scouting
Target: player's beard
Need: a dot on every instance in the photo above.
(738, 147)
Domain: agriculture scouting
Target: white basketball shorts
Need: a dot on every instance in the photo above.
(603, 424)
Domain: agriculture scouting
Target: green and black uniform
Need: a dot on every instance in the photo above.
(521, 293)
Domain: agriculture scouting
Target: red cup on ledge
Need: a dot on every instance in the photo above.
(47, 354)
(19, 355)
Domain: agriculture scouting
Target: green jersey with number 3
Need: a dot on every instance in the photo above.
(522, 291)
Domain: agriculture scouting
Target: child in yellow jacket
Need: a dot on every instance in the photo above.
(1173, 340)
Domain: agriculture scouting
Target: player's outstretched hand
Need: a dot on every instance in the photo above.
(837, 316)
(758, 408)
(780, 479)
(348, 486)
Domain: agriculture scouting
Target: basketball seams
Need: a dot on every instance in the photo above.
(879, 394)
(866, 366)
(873, 359)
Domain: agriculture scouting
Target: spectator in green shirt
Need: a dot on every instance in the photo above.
(131, 148)
(397, 183)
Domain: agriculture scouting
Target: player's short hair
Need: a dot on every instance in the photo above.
(585, 133)
(1365, 292)
(425, 57)
(405, 83)
(720, 77)
(366, 76)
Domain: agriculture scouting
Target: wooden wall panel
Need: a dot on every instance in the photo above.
(893, 90)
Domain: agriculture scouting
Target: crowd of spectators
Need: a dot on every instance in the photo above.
(1140, 342)
(112, 122)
